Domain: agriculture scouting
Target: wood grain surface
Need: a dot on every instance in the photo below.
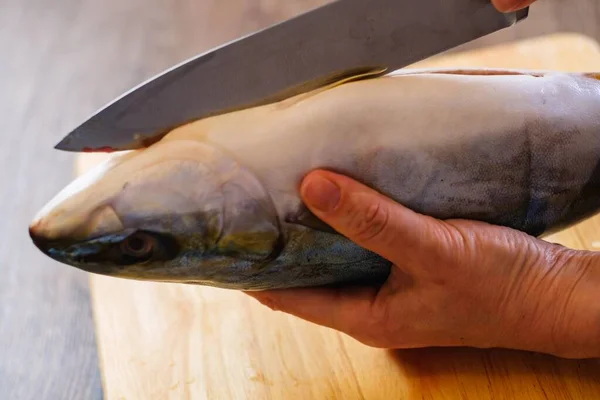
(61, 61)
(169, 341)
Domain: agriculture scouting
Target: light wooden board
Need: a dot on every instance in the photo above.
(168, 341)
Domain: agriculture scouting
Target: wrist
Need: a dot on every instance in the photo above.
(578, 322)
(564, 305)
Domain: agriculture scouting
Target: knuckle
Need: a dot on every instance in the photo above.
(370, 223)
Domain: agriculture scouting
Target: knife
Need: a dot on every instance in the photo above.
(285, 59)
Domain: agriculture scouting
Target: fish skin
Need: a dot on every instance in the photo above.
(513, 148)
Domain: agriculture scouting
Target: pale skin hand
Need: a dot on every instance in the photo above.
(453, 283)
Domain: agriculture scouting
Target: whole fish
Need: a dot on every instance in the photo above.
(216, 201)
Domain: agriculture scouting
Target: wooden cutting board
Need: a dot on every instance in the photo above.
(168, 341)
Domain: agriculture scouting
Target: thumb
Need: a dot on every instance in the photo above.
(369, 219)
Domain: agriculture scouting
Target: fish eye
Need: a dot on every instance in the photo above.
(143, 246)
(138, 245)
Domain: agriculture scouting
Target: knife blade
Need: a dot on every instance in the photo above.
(294, 56)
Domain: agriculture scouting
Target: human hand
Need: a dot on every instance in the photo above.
(511, 5)
(454, 282)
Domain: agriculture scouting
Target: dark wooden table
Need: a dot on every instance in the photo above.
(61, 61)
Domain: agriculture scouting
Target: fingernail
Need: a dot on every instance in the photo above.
(503, 5)
(321, 193)
(516, 6)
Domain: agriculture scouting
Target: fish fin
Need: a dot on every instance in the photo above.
(306, 218)
(333, 81)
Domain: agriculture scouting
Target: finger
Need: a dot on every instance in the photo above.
(370, 219)
(511, 5)
(345, 310)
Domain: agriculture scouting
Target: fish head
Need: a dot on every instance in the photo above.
(179, 211)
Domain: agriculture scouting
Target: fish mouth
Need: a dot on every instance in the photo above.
(49, 247)
(104, 254)
(41, 242)
(86, 255)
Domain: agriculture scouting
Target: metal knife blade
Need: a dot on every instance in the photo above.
(285, 59)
